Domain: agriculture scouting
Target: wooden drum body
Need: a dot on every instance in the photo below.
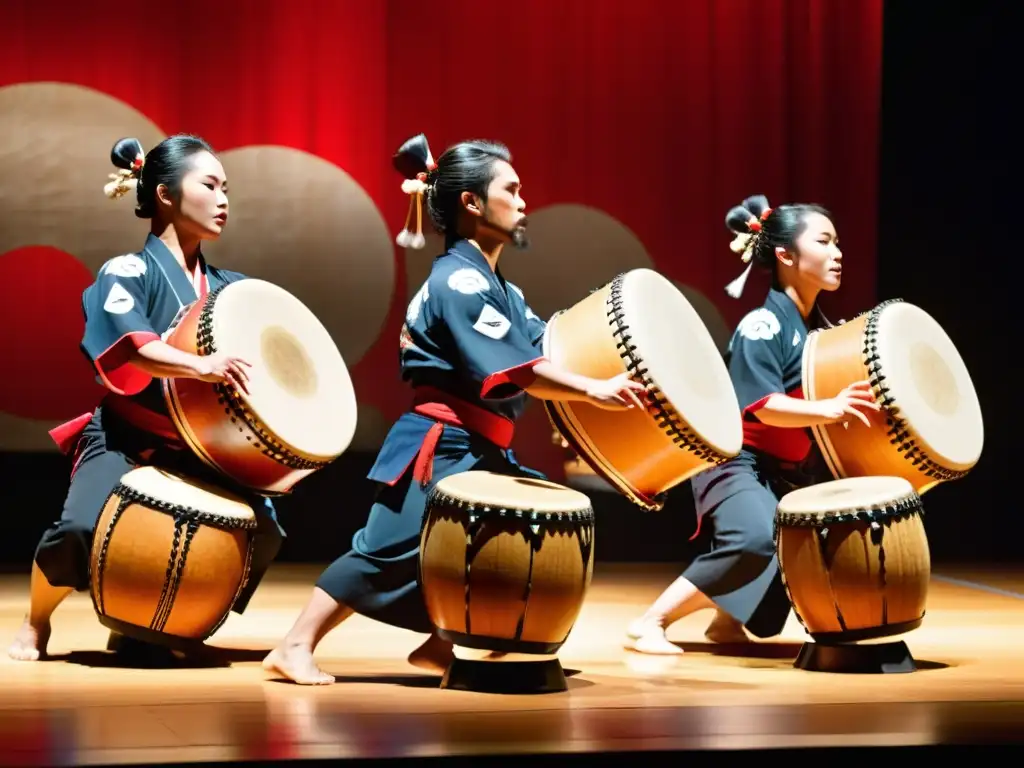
(300, 412)
(169, 558)
(505, 562)
(642, 324)
(930, 428)
(854, 558)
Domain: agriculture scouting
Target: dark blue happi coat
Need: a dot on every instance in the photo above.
(467, 331)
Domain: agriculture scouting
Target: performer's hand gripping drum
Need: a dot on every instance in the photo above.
(505, 563)
(300, 412)
(854, 558)
(170, 556)
(930, 428)
(642, 324)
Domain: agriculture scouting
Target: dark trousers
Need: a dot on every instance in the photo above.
(108, 450)
(737, 502)
(379, 576)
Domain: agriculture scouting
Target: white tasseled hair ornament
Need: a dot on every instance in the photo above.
(414, 161)
(125, 180)
(416, 189)
(744, 242)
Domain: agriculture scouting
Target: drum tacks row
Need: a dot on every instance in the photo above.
(641, 324)
(235, 408)
(299, 414)
(930, 429)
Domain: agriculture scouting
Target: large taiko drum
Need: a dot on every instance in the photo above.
(930, 428)
(855, 561)
(642, 324)
(505, 563)
(170, 556)
(300, 412)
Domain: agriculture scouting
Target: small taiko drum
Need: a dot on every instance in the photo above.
(930, 428)
(170, 556)
(642, 324)
(300, 412)
(855, 561)
(505, 563)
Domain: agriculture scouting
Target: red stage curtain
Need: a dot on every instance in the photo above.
(661, 115)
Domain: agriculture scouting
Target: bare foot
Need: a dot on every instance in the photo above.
(296, 663)
(30, 642)
(649, 637)
(433, 656)
(725, 629)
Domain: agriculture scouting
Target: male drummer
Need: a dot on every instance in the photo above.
(470, 347)
(181, 187)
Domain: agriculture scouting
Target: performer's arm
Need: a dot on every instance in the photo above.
(118, 328)
(755, 366)
(163, 361)
(497, 353)
(785, 411)
(554, 383)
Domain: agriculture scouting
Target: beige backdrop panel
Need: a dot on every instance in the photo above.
(304, 224)
(55, 142)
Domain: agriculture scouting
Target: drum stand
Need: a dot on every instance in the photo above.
(850, 658)
(509, 673)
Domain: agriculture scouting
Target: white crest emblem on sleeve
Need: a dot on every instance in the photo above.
(119, 301)
(128, 265)
(413, 312)
(761, 324)
(492, 323)
(467, 280)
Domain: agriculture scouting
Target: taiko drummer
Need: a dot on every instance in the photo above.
(739, 576)
(181, 188)
(470, 347)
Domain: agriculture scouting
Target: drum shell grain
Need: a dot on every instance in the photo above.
(851, 581)
(139, 568)
(504, 583)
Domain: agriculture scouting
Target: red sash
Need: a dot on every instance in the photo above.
(447, 409)
(68, 434)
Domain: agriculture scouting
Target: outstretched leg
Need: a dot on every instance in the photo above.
(293, 657)
(30, 642)
(647, 633)
(61, 562)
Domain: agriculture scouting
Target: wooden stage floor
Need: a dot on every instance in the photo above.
(80, 709)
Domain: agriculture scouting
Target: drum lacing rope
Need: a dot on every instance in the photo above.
(236, 409)
(665, 415)
(181, 515)
(900, 433)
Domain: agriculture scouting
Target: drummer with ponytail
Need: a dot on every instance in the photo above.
(798, 246)
(471, 349)
(180, 187)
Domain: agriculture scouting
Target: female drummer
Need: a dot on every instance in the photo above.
(181, 188)
(739, 577)
(470, 347)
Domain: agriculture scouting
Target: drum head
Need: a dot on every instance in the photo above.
(930, 385)
(186, 492)
(299, 386)
(682, 359)
(847, 495)
(489, 489)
